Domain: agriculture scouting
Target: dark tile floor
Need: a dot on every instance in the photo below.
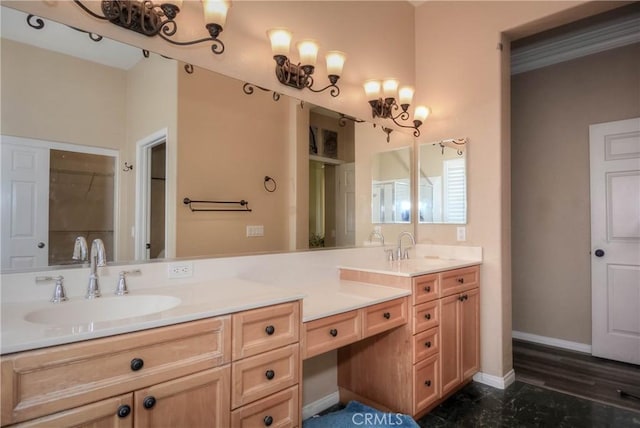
(524, 405)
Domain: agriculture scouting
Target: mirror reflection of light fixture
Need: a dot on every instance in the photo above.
(151, 19)
(300, 75)
(382, 98)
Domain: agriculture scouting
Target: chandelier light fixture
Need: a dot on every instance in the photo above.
(300, 75)
(158, 19)
(382, 99)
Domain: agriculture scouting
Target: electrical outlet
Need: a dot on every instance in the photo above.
(461, 233)
(255, 231)
(180, 270)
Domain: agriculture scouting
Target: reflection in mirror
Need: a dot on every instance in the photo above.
(391, 187)
(215, 142)
(442, 191)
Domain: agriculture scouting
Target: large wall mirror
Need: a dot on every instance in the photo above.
(168, 133)
(442, 182)
(391, 186)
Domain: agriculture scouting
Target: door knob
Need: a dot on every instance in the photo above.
(599, 252)
(41, 244)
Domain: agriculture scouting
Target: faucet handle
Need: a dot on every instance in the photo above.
(121, 288)
(390, 254)
(59, 295)
(405, 255)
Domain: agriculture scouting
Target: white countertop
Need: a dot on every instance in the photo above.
(343, 296)
(198, 300)
(410, 267)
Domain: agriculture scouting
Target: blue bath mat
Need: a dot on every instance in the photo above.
(356, 414)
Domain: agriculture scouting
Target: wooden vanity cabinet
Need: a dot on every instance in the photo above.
(174, 376)
(435, 353)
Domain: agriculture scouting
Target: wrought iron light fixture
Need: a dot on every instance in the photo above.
(300, 75)
(382, 98)
(152, 19)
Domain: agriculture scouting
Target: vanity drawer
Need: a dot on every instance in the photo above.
(263, 329)
(426, 383)
(426, 316)
(256, 377)
(384, 316)
(46, 381)
(425, 288)
(278, 410)
(458, 280)
(329, 333)
(425, 344)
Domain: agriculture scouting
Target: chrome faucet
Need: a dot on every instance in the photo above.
(80, 251)
(400, 254)
(98, 257)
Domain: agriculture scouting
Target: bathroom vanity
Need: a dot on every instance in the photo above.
(232, 350)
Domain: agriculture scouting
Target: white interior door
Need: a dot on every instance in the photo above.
(346, 205)
(25, 206)
(615, 239)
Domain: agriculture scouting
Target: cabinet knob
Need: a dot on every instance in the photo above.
(124, 411)
(387, 315)
(333, 332)
(427, 383)
(428, 344)
(149, 402)
(270, 330)
(136, 364)
(427, 288)
(268, 420)
(270, 374)
(460, 280)
(427, 316)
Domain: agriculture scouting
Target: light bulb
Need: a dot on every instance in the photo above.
(215, 11)
(390, 88)
(280, 41)
(405, 95)
(308, 50)
(421, 113)
(335, 62)
(372, 89)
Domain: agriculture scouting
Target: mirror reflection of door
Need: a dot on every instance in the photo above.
(331, 204)
(157, 202)
(51, 194)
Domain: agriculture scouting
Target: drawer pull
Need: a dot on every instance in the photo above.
(149, 402)
(460, 280)
(427, 289)
(427, 383)
(270, 330)
(387, 315)
(268, 420)
(124, 411)
(427, 316)
(270, 374)
(463, 297)
(333, 332)
(428, 344)
(136, 364)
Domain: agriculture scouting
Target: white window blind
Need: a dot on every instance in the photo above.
(455, 191)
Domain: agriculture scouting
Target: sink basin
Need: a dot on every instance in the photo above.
(102, 309)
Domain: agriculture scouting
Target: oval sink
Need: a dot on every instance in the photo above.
(102, 309)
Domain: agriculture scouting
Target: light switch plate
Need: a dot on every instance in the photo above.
(461, 233)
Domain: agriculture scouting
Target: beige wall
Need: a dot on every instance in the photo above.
(224, 156)
(552, 110)
(464, 75)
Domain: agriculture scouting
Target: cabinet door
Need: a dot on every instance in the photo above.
(470, 332)
(110, 413)
(198, 400)
(450, 376)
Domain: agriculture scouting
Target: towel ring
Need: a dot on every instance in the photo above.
(270, 187)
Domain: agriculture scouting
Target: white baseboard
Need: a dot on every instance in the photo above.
(496, 381)
(320, 405)
(552, 341)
